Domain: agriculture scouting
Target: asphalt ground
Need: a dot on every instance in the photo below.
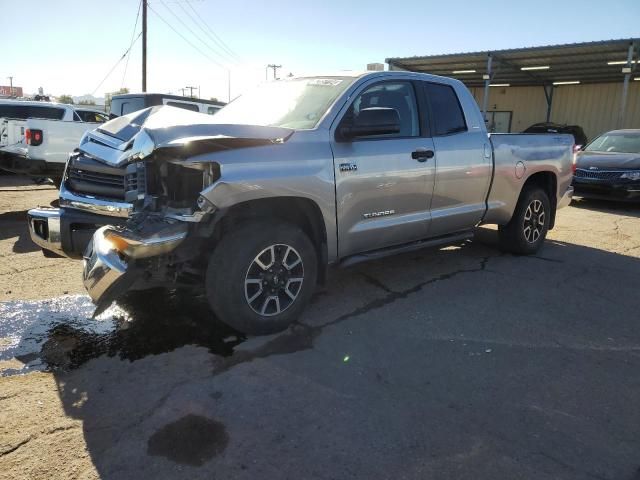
(461, 362)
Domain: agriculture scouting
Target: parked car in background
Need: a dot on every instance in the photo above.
(548, 127)
(38, 136)
(132, 102)
(609, 167)
(254, 203)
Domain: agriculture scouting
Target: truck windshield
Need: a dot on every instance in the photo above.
(299, 103)
(616, 142)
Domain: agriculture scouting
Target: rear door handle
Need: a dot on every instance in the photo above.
(422, 154)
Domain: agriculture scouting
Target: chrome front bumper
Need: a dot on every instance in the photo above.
(103, 266)
(111, 264)
(44, 228)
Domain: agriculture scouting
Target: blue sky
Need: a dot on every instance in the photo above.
(70, 45)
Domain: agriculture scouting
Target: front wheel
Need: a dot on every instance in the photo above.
(528, 227)
(261, 276)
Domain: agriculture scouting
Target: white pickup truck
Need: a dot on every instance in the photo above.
(36, 137)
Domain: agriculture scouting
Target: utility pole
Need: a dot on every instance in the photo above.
(275, 68)
(182, 90)
(191, 89)
(144, 45)
(10, 86)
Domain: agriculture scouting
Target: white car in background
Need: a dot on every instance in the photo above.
(37, 137)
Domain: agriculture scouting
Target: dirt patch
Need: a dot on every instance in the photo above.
(24, 272)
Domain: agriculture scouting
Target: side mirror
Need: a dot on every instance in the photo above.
(372, 121)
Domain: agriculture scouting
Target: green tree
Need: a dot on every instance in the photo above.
(86, 102)
(65, 99)
(214, 99)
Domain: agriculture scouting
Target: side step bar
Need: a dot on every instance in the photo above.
(407, 247)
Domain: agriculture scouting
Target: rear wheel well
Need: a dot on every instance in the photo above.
(548, 182)
(298, 211)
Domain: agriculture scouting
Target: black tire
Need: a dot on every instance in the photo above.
(527, 230)
(235, 275)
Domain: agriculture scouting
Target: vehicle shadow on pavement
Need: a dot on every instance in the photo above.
(529, 375)
(610, 206)
(14, 224)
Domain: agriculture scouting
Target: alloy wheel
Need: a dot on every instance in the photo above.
(534, 218)
(274, 280)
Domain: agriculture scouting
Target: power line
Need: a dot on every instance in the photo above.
(190, 30)
(135, 25)
(185, 38)
(230, 53)
(116, 64)
(207, 34)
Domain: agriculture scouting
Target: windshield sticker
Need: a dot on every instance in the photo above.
(325, 82)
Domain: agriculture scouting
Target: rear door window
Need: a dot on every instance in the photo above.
(186, 106)
(446, 112)
(212, 110)
(22, 112)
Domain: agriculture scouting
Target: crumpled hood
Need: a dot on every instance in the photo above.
(608, 160)
(138, 134)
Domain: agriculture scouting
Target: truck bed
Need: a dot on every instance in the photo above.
(517, 157)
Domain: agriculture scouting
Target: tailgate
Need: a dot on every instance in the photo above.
(11, 132)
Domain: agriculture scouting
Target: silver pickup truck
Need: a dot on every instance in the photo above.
(254, 203)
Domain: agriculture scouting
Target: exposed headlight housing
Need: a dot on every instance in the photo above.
(635, 175)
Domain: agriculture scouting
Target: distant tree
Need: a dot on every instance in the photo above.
(65, 99)
(214, 99)
(86, 102)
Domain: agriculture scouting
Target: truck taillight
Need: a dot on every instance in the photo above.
(33, 137)
(574, 161)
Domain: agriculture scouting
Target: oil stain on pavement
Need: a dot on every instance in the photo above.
(60, 333)
(190, 440)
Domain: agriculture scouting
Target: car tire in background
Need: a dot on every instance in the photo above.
(528, 228)
(261, 276)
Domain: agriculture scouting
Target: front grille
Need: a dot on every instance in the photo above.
(598, 174)
(88, 176)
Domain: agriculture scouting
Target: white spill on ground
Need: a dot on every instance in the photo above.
(24, 327)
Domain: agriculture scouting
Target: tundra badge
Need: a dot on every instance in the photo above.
(379, 214)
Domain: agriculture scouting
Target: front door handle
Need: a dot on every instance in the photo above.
(422, 154)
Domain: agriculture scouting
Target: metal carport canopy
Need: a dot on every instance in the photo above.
(588, 62)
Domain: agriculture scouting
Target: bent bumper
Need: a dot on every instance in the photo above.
(103, 267)
(110, 260)
(44, 228)
(65, 231)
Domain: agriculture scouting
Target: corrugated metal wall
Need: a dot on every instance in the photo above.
(528, 104)
(594, 107)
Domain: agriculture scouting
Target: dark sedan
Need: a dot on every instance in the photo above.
(609, 167)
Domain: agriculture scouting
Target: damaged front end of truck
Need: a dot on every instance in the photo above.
(169, 156)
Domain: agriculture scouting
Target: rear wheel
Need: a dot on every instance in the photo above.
(528, 227)
(261, 276)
